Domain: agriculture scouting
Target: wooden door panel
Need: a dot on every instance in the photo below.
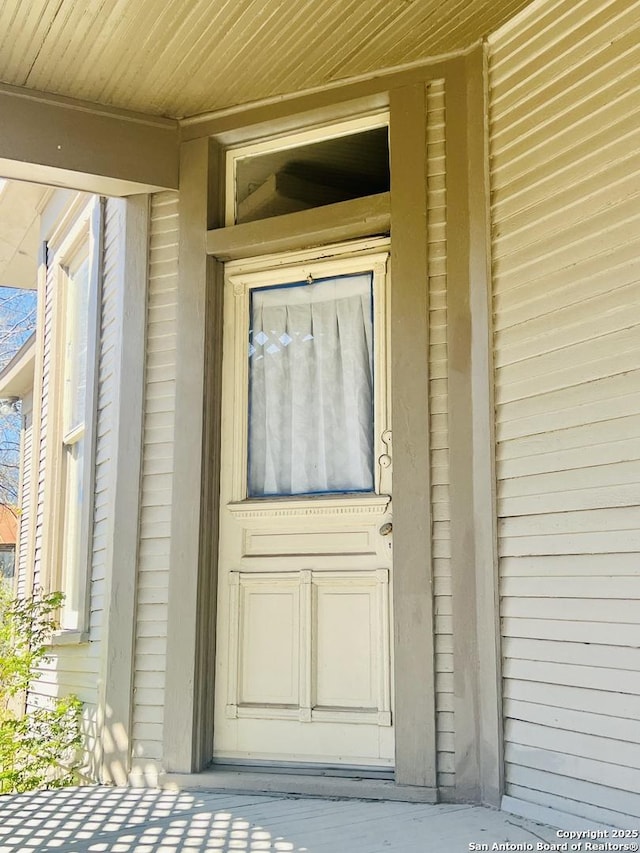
(269, 642)
(345, 649)
(310, 645)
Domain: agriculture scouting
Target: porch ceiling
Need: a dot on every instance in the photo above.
(184, 57)
(19, 233)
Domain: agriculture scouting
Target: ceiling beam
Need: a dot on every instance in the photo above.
(53, 140)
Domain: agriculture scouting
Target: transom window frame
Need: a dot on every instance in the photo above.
(241, 277)
(291, 140)
(68, 565)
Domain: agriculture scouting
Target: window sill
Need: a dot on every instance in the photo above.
(69, 638)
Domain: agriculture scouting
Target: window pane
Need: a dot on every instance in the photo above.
(74, 472)
(322, 172)
(7, 561)
(311, 387)
(77, 322)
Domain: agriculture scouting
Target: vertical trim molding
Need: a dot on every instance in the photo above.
(115, 697)
(210, 518)
(478, 755)
(489, 736)
(180, 715)
(211, 464)
(36, 435)
(413, 581)
(94, 315)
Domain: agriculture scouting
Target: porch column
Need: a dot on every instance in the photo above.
(115, 692)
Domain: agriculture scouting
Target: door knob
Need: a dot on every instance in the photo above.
(386, 529)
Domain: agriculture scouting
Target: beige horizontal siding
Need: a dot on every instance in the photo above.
(565, 182)
(42, 406)
(157, 471)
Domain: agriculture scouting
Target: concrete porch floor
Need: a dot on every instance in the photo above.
(131, 820)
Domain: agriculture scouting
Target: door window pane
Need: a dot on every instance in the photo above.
(311, 387)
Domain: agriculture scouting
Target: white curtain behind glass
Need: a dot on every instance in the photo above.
(311, 387)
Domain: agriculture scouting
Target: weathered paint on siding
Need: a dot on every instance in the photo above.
(565, 99)
(157, 470)
(439, 428)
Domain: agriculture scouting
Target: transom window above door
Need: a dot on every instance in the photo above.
(309, 168)
(311, 387)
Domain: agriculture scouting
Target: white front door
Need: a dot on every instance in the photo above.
(303, 666)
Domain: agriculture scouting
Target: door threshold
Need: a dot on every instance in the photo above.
(300, 768)
(248, 780)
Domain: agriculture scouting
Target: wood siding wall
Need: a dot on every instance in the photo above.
(157, 469)
(565, 100)
(439, 428)
(46, 685)
(41, 407)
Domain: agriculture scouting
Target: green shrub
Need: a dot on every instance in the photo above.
(38, 749)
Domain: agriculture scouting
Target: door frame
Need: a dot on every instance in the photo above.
(201, 310)
(478, 755)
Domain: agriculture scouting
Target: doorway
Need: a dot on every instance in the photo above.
(304, 661)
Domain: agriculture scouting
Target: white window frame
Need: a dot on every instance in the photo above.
(70, 564)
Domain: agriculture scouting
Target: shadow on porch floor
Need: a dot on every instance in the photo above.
(126, 820)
